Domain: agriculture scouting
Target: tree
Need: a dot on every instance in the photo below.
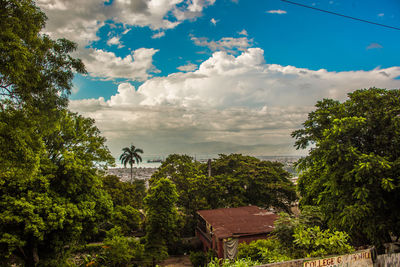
(161, 218)
(195, 190)
(125, 194)
(130, 155)
(246, 180)
(236, 180)
(352, 171)
(50, 194)
(33, 68)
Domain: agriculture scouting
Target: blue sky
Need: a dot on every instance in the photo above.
(220, 76)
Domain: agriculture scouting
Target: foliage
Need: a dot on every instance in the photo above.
(125, 194)
(33, 68)
(352, 172)
(130, 155)
(247, 180)
(316, 242)
(236, 180)
(127, 218)
(161, 218)
(286, 224)
(198, 258)
(297, 237)
(50, 194)
(121, 250)
(195, 190)
(116, 250)
(263, 250)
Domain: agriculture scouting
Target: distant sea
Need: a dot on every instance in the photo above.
(203, 158)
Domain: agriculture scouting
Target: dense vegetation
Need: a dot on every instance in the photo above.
(55, 198)
(235, 181)
(352, 171)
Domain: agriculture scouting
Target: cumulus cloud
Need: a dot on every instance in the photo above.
(79, 21)
(229, 104)
(136, 66)
(374, 46)
(187, 67)
(278, 11)
(229, 44)
(213, 21)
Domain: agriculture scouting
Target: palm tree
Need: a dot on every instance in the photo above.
(130, 155)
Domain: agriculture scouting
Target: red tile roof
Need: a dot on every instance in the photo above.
(229, 222)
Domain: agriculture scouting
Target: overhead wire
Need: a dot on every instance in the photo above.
(341, 15)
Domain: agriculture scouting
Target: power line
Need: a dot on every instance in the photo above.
(341, 15)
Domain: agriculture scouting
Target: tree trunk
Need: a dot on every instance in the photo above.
(31, 256)
(131, 173)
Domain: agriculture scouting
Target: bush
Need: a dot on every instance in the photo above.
(198, 258)
(263, 250)
(316, 242)
(120, 250)
(127, 218)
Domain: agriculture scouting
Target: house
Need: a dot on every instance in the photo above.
(222, 230)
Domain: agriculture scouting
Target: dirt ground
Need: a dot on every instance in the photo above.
(178, 261)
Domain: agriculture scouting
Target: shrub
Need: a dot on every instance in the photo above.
(263, 250)
(198, 258)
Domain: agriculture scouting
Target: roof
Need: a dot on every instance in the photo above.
(229, 222)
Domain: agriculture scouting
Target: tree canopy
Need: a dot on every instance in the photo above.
(51, 195)
(236, 180)
(353, 167)
(161, 218)
(33, 68)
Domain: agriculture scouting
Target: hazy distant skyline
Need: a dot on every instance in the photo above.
(220, 76)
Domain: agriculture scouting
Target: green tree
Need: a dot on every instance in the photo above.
(353, 168)
(50, 194)
(161, 218)
(125, 194)
(195, 190)
(236, 180)
(130, 155)
(247, 180)
(33, 68)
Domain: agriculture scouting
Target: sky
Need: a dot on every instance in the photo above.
(204, 77)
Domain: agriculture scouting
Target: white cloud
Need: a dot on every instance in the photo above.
(136, 66)
(80, 21)
(374, 46)
(228, 104)
(243, 32)
(213, 21)
(115, 41)
(158, 35)
(381, 14)
(225, 44)
(187, 67)
(278, 11)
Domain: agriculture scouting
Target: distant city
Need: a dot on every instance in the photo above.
(150, 164)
